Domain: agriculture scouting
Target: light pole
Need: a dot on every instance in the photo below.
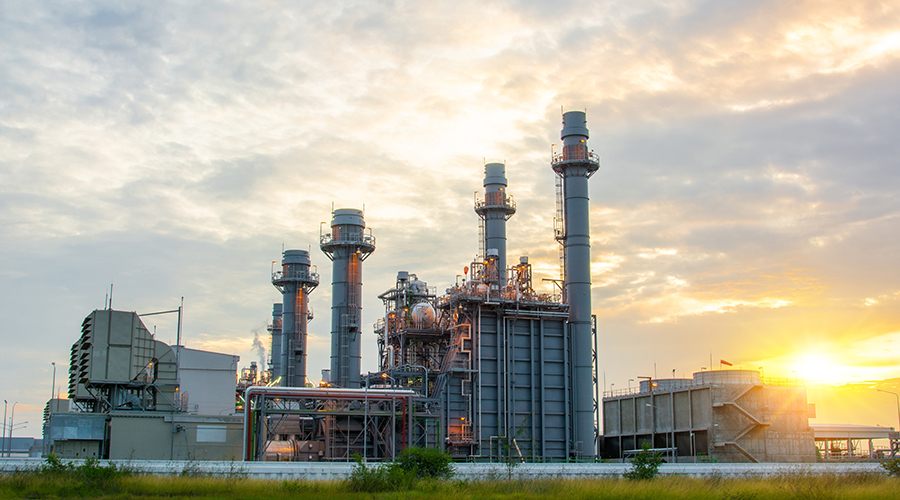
(50, 408)
(366, 421)
(12, 421)
(53, 387)
(898, 404)
(3, 444)
(629, 384)
(612, 391)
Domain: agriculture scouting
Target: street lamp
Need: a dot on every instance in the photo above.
(12, 420)
(898, 404)
(629, 384)
(385, 376)
(3, 443)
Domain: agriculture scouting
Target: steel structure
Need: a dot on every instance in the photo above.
(295, 281)
(312, 424)
(410, 337)
(347, 245)
(574, 166)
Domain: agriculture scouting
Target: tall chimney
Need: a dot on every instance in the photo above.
(495, 209)
(295, 281)
(575, 165)
(347, 245)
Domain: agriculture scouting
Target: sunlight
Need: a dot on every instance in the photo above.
(821, 368)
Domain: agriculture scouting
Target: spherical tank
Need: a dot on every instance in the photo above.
(423, 315)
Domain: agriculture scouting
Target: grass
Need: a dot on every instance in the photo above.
(129, 485)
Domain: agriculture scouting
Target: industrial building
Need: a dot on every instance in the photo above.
(497, 369)
(134, 397)
(721, 416)
(513, 371)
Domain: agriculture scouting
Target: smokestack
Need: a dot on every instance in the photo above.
(275, 352)
(295, 281)
(348, 245)
(575, 165)
(495, 209)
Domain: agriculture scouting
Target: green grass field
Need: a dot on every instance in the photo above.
(135, 486)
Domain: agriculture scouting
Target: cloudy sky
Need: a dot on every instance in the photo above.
(747, 206)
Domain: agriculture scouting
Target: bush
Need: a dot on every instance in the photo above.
(892, 467)
(412, 465)
(384, 477)
(645, 464)
(425, 463)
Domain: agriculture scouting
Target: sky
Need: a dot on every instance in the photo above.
(746, 208)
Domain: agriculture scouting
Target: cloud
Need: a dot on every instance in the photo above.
(745, 204)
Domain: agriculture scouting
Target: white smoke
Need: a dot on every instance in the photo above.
(260, 350)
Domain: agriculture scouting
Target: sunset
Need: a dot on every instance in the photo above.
(745, 209)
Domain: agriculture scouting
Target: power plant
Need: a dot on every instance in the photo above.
(497, 369)
(489, 369)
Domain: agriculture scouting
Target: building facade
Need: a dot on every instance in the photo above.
(723, 416)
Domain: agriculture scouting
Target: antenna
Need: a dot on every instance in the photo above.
(110, 294)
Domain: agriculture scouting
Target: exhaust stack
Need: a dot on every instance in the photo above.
(347, 245)
(295, 281)
(575, 165)
(494, 210)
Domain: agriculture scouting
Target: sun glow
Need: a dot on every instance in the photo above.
(821, 368)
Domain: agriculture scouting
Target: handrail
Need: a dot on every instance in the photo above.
(576, 152)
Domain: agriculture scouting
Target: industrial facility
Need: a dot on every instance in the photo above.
(719, 416)
(489, 369)
(134, 397)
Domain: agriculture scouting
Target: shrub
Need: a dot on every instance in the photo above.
(384, 477)
(645, 464)
(425, 463)
(892, 467)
